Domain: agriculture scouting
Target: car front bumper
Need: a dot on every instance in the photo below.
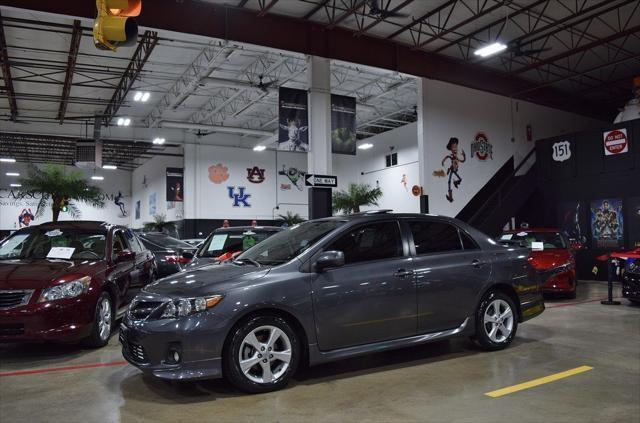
(631, 286)
(559, 280)
(199, 339)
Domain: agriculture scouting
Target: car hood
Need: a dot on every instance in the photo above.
(39, 273)
(206, 280)
(548, 259)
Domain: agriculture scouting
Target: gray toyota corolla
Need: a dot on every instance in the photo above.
(329, 289)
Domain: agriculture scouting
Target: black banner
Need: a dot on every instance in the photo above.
(294, 120)
(343, 124)
(175, 184)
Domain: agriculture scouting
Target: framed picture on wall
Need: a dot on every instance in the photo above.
(572, 220)
(607, 224)
(137, 209)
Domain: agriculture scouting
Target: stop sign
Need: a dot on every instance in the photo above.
(616, 142)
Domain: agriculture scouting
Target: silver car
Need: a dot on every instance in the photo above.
(329, 289)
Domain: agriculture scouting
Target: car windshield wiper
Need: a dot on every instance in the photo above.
(246, 260)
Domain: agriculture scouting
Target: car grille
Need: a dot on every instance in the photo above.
(14, 298)
(11, 330)
(137, 352)
(142, 309)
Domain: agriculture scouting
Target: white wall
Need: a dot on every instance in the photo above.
(114, 181)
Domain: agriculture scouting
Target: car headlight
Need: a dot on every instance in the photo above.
(188, 306)
(68, 289)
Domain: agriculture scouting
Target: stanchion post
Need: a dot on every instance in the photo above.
(609, 300)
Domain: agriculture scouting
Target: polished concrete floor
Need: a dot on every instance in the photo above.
(441, 382)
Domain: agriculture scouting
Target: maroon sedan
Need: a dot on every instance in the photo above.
(67, 281)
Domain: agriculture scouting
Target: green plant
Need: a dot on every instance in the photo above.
(159, 224)
(357, 195)
(61, 186)
(290, 219)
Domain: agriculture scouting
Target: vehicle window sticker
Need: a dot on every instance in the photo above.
(217, 242)
(506, 237)
(53, 233)
(60, 252)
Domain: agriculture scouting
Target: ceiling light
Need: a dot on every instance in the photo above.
(491, 49)
(97, 178)
(365, 146)
(110, 167)
(159, 141)
(124, 121)
(7, 160)
(16, 185)
(137, 96)
(145, 97)
(259, 148)
(12, 174)
(142, 96)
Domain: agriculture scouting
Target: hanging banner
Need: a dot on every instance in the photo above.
(175, 184)
(294, 120)
(343, 124)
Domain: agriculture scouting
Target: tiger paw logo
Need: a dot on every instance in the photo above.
(255, 175)
(218, 173)
(481, 147)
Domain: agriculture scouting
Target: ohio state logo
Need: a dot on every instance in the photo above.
(255, 175)
(481, 147)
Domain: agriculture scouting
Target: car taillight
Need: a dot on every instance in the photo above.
(178, 260)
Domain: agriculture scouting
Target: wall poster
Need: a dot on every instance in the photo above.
(572, 220)
(175, 184)
(152, 204)
(294, 120)
(607, 224)
(343, 124)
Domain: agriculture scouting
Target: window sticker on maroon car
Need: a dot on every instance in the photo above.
(53, 233)
(60, 252)
(537, 246)
(217, 242)
(506, 237)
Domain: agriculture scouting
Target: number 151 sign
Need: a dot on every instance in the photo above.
(561, 151)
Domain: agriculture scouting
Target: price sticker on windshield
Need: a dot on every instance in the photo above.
(64, 253)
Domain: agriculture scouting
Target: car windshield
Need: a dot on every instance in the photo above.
(230, 241)
(56, 243)
(163, 240)
(288, 244)
(545, 240)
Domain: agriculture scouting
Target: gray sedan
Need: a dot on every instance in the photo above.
(329, 289)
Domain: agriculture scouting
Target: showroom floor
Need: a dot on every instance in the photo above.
(445, 381)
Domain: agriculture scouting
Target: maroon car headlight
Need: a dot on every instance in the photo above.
(69, 289)
(188, 306)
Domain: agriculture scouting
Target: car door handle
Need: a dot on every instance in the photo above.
(477, 263)
(403, 273)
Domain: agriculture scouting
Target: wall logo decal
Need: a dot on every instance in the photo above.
(118, 202)
(454, 166)
(294, 175)
(240, 198)
(25, 218)
(255, 175)
(285, 187)
(615, 142)
(218, 173)
(403, 181)
(561, 151)
(416, 190)
(607, 223)
(481, 147)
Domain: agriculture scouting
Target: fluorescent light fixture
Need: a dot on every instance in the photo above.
(124, 121)
(365, 146)
(7, 160)
(490, 50)
(97, 178)
(110, 167)
(145, 97)
(16, 185)
(259, 148)
(159, 141)
(137, 96)
(142, 96)
(12, 174)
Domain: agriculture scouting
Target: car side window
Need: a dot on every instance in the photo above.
(434, 237)
(467, 242)
(375, 241)
(119, 243)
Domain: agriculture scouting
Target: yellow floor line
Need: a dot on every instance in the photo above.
(537, 382)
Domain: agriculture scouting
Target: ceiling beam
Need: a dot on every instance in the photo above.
(242, 3)
(76, 36)
(379, 19)
(313, 11)
(138, 60)
(266, 8)
(6, 74)
(303, 36)
(427, 15)
(357, 4)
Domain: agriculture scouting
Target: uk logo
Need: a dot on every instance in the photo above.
(255, 175)
(240, 198)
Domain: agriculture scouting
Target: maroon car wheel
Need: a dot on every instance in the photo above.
(102, 322)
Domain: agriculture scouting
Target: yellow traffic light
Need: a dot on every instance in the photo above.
(114, 25)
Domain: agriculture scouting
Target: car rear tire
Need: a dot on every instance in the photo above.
(102, 322)
(261, 355)
(496, 321)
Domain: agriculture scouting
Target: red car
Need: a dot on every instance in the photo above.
(68, 281)
(551, 255)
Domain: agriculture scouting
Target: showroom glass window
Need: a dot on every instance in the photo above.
(119, 243)
(375, 241)
(434, 237)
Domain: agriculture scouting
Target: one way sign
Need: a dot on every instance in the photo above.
(321, 181)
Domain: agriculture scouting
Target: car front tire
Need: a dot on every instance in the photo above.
(262, 354)
(102, 322)
(496, 321)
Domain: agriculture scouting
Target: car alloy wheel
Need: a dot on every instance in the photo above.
(104, 318)
(265, 354)
(498, 321)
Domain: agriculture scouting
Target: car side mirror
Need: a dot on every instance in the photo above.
(125, 255)
(329, 259)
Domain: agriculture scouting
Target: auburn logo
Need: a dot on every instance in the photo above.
(255, 175)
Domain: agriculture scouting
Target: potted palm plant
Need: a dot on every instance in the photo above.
(60, 186)
(356, 196)
(290, 219)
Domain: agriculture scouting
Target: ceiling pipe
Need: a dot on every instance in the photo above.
(216, 128)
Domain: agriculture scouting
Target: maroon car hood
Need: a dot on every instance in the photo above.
(36, 274)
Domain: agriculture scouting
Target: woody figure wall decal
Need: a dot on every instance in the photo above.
(454, 166)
